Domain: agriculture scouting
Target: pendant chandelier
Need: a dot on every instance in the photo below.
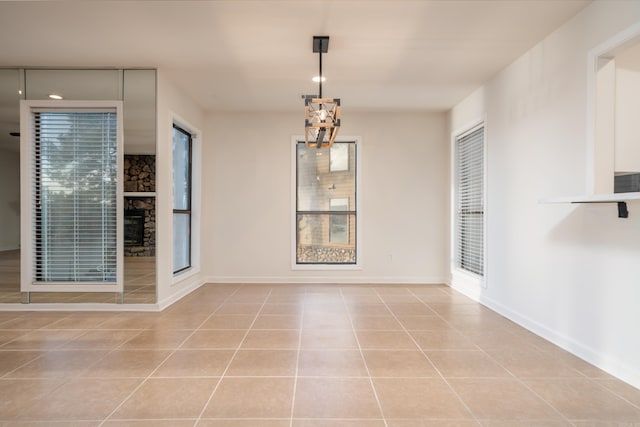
(322, 115)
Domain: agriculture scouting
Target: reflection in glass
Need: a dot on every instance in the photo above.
(75, 193)
(339, 154)
(339, 224)
(137, 89)
(181, 241)
(315, 244)
(181, 154)
(10, 95)
(95, 85)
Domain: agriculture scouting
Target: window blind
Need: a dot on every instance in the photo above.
(75, 196)
(470, 201)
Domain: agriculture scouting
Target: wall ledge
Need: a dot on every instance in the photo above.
(593, 198)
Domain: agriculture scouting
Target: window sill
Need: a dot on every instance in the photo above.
(184, 275)
(326, 267)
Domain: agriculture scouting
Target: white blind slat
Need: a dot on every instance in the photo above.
(470, 202)
(75, 205)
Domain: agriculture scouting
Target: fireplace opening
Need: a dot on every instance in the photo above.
(134, 227)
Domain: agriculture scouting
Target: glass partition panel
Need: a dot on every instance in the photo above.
(85, 85)
(139, 111)
(137, 89)
(139, 96)
(11, 91)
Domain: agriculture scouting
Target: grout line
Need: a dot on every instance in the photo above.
(599, 381)
(226, 296)
(406, 331)
(165, 359)
(295, 381)
(364, 361)
(486, 353)
(233, 356)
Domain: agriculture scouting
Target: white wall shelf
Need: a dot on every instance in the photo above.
(620, 198)
(140, 194)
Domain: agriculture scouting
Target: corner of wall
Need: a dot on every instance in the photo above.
(172, 102)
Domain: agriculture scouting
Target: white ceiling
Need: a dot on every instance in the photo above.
(237, 55)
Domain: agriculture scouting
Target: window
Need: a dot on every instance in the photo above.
(182, 154)
(326, 214)
(74, 172)
(469, 201)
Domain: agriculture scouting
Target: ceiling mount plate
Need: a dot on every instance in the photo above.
(320, 44)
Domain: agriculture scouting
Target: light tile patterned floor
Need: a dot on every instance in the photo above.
(139, 284)
(299, 356)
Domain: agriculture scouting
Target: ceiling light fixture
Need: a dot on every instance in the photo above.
(322, 115)
(55, 96)
(316, 79)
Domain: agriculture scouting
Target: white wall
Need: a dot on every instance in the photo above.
(172, 104)
(248, 209)
(570, 273)
(9, 200)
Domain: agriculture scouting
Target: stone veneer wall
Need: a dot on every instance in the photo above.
(325, 254)
(140, 177)
(139, 173)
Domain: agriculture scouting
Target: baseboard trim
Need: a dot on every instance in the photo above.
(177, 296)
(338, 280)
(611, 365)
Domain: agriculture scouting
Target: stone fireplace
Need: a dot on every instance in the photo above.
(134, 227)
(139, 173)
(139, 205)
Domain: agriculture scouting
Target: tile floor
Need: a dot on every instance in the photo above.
(139, 284)
(301, 356)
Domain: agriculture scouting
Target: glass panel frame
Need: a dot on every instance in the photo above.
(29, 281)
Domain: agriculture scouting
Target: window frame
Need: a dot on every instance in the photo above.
(357, 205)
(189, 210)
(459, 275)
(27, 180)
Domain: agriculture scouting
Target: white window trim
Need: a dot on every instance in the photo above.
(359, 232)
(26, 200)
(459, 276)
(196, 199)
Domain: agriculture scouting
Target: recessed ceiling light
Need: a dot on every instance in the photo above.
(19, 91)
(316, 79)
(54, 96)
